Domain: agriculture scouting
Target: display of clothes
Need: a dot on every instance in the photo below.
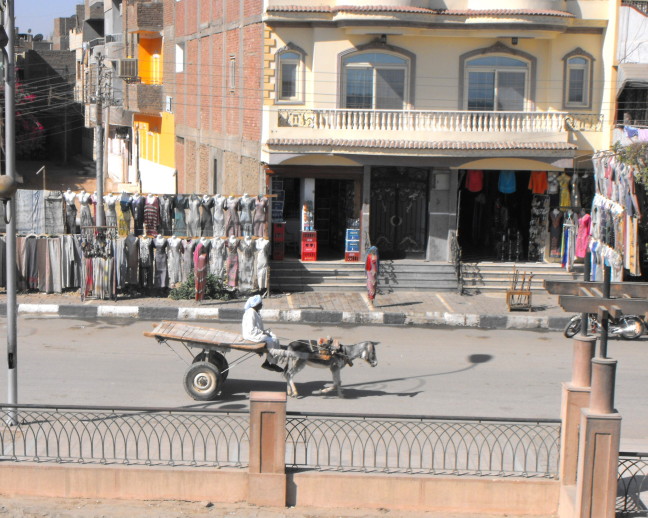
(537, 227)
(538, 183)
(564, 182)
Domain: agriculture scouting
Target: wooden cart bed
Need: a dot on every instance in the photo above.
(204, 336)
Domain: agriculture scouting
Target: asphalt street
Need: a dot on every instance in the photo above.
(440, 372)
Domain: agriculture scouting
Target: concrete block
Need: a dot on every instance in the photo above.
(198, 313)
(162, 313)
(38, 309)
(526, 322)
(394, 319)
(78, 311)
(454, 319)
(291, 315)
(230, 314)
(321, 317)
(557, 323)
(493, 321)
(118, 311)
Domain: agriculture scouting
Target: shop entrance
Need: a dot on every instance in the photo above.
(334, 206)
(398, 223)
(494, 226)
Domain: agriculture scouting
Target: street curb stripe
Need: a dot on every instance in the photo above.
(38, 308)
(197, 313)
(118, 311)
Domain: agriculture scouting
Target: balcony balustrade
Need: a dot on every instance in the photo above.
(144, 98)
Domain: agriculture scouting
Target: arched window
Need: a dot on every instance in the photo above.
(578, 79)
(375, 80)
(496, 83)
(290, 72)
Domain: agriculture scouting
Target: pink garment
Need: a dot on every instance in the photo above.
(584, 231)
(643, 134)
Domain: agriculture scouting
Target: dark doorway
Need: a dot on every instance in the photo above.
(333, 206)
(398, 223)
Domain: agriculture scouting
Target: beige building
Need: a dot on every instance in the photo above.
(377, 110)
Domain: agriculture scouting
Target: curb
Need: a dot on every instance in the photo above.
(299, 316)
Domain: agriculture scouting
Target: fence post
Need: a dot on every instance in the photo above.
(575, 397)
(598, 455)
(267, 471)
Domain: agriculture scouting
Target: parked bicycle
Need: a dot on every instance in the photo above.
(629, 327)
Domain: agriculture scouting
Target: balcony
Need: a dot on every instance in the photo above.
(145, 17)
(143, 98)
(408, 128)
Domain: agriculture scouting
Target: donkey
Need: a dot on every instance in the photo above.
(335, 358)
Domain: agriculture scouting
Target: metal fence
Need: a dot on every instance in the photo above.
(632, 485)
(125, 436)
(397, 444)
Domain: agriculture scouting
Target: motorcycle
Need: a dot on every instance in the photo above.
(629, 327)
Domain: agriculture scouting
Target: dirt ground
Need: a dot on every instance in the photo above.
(32, 507)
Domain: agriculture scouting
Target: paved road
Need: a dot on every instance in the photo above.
(452, 372)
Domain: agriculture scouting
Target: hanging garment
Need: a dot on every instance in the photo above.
(43, 264)
(247, 251)
(123, 222)
(200, 270)
(474, 180)
(54, 222)
(131, 253)
(31, 263)
(137, 210)
(70, 213)
(146, 262)
(193, 220)
(632, 246)
(111, 215)
(179, 216)
(218, 212)
(506, 182)
(232, 221)
(231, 263)
(121, 266)
(553, 187)
(260, 218)
(56, 265)
(555, 232)
(582, 240)
(125, 206)
(160, 276)
(538, 183)
(206, 218)
(371, 269)
(166, 214)
(565, 196)
(187, 258)
(246, 206)
(21, 263)
(262, 259)
(176, 249)
(86, 216)
(217, 257)
(152, 215)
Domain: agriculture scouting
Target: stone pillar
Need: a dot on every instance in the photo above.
(365, 214)
(575, 397)
(267, 471)
(598, 454)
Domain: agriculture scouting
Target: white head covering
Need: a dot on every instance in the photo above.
(253, 302)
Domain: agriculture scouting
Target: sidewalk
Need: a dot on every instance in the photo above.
(423, 308)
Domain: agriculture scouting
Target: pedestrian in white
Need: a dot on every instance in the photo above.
(252, 329)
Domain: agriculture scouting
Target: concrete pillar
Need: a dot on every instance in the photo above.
(365, 214)
(575, 397)
(438, 215)
(267, 471)
(598, 454)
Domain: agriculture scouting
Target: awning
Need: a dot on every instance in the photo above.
(632, 75)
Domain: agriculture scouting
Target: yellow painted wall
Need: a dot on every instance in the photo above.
(150, 60)
(156, 138)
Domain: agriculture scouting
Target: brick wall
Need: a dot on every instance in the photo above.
(252, 82)
(204, 169)
(180, 164)
(190, 166)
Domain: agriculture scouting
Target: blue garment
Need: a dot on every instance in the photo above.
(506, 182)
(631, 131)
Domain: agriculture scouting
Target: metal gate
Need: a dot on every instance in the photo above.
(399, 198)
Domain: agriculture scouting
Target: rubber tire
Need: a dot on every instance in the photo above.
(203, 381)
(637, 325)
(573, 327)
(217, 359)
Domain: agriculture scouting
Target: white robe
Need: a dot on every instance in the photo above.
(252, 329)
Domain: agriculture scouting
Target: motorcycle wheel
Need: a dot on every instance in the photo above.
(572, 327)
(632, 327)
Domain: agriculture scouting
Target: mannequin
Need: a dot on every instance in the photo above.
(137, 209)
(176, 247)
(218, 209)
(160, 276)
(131, 254)
(166, 214)
(575, 192)
(247, 249)
(232, 221)
(146, 262)
(565, 198)
(152, 215)
(111, 215)
(217, 257)
(231, 264)
(262, 256)
(260, 216)
(206, 223)
(124, 218)
(188, 246)
(179, 216)
(200, 260)
(86, 217)
(193, 221)
(70, 212)
(247, 206)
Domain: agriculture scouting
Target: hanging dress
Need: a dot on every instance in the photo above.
(146, 262)
(131, 257)
(565, 197)
(176, 248)
(247, 207)
(247, 249)
(538, 183)
(70, 213)
(111, 215)
(371, 269)
(206, 218)
(262, 257)
(555, 232)
(200, 259)
(124, 217)
(582, 240)
(219, 215)
(179, 215)
(54, 222)
(232, 221)
(260, 217)
(231, 263)
(217, 257)
(152, 215)
(160, 276)
(187, 258)
(166, 214)
(193, 220)
(86, 215)
(137, 209)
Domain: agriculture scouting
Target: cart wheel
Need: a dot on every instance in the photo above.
(217, 359)
(203, 381)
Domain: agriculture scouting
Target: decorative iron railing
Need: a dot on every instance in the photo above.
(124, 435)
(641, 5)
(419, 120)
(429, 445)
(632, 485)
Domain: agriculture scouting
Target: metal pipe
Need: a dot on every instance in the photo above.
(10, 164)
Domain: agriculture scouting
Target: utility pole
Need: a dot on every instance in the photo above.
(10, 207)
(99, 142)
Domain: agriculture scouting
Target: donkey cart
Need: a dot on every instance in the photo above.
(204, 378)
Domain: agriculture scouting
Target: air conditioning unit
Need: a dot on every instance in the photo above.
(127, 68)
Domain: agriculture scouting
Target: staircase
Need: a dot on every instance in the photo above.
(292, 275)
(493, 277)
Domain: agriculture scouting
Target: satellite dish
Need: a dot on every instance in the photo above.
(38, 37)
